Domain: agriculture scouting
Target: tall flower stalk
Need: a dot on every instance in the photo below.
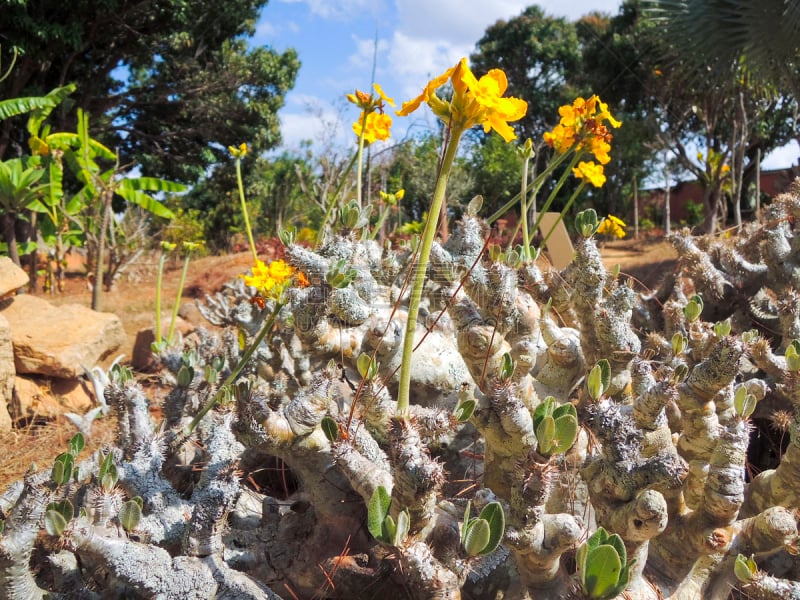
(372, 124)
(270, 282)
(474, 102)
(239, 153)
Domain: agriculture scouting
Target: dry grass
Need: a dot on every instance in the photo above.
(40, 443)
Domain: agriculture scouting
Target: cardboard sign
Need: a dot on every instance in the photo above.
(559, 246)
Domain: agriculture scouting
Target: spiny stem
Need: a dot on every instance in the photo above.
(238, 369)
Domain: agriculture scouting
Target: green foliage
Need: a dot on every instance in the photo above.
(130, 513)
(193, 81)
(62, 468)
(603, 568)
(693, 308)
(495, 168)
(694, 212)
(586, 222)
(599, 379)
(482, 534)
(330, 428)
(556, 426)
(745, 568)
(367, 366)
(744, 403)
(381, 524)
(340, 275)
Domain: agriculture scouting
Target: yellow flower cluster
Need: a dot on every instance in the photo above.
(612, 225)
(239, 152)
(376, 126)
(372, 121)
(582, 128)
(269, 279)
(475, 101)
(591, 172)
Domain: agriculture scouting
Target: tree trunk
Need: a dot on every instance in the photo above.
(10, 235)
(97, 288)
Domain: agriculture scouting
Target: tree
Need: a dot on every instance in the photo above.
(193, 87)
(539, 54)
(718, 102)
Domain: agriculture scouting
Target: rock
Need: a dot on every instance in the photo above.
(143, 359)
(58, 340)
(7, 373)
(40, 397)
(11, 276)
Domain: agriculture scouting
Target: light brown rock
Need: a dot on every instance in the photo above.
(40, 397)
(7, 373)
(58, 341)
(11, 276)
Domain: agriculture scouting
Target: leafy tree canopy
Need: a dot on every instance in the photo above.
(194, 87)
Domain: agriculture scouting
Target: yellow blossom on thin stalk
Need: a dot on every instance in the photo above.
(612, 225)
(372, 124)
(582, 127)
(271, 279)
(474, 102)
(591, 172)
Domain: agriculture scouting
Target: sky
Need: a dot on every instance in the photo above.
(416, 40)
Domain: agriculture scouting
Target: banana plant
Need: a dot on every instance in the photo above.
(603, 567)
(15, 205)
(19, 188)
(83, 155)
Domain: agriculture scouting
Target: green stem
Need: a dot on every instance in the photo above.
(380, 222)
(564, 211)
(567, 172)
(177, 306)
(533, 185)
(523, 208)
(334, 197)
(239, 366)
(244, 209)
(360, 155)
(159, 279)
(419, 274)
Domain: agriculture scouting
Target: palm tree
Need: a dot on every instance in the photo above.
(760, 40)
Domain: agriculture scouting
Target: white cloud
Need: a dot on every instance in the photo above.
(311, 118)
(339, 9)
(783, 157)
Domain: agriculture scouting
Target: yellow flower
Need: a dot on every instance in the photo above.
(376, 127)
(238, 152)
(370, 102)
(392, 198)
(590, 171)
(269, 280)
(612, 225)
(475, 101)
(582, 127)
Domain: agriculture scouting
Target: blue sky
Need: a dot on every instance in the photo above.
(416, 39)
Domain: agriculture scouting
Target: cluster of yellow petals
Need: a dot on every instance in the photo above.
(269, 279)
(373, 123)
(591, 172)
(582, 127)
(475, 101)
(612, 225)
(376, 126)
